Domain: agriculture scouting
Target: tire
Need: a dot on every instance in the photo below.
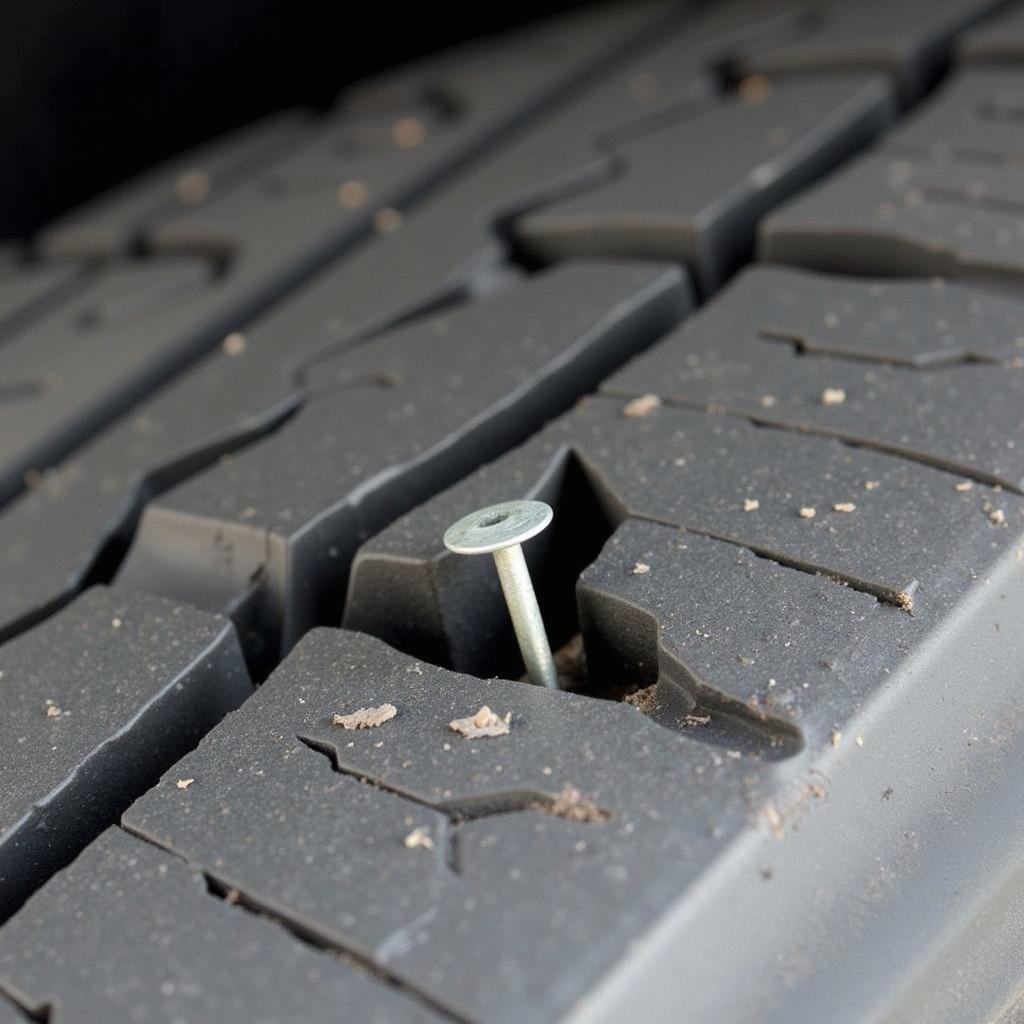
(736, 291)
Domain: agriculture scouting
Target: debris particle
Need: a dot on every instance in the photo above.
(387, 220)
(872, 485)
(419, 837)
(733, 755)
(833, 396)
(116, 623)
(640, 407)
(963, 485)
(807, 512)
(844, 506)
(52, 711)
(641, 569)
(365, 718)
(768, 401)
(997, 517)
(408, 132)
(353, 194)
(192, 187)
(234, 344)
(679, 462)
(837, 737)
(184, 783)
(572, 805)
(689, 721)
(751, 504)
(754, 88)
(485, 723)
(643, 700)
(887, 793)
(860, 740)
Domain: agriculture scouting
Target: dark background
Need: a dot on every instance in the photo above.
(92, 91)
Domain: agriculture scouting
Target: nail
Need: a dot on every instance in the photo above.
(499, 530)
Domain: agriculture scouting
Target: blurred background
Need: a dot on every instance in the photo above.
(92, 91)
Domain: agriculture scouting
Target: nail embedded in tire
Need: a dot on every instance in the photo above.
(500, 530)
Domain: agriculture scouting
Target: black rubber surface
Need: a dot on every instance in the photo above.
(739, 295)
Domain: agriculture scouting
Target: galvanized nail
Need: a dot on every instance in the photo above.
(500, 530)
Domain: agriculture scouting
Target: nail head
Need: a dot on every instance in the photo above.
(498, 526)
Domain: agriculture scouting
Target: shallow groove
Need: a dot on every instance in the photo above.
(309, 936)
(458, 812)
(902, 599)
(956, 469)
(801, 347)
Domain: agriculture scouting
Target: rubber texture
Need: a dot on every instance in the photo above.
(736, 290)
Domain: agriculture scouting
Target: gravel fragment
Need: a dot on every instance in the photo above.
(640, 407)
(365, 718)
(484, 724)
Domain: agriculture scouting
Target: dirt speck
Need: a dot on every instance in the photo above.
(844, 506)
(644, 700)
(872, 485)
(184, 783)
(572, 805)
(638, 408)
(116, 623)
(419, 838)
(997, 517)
(887, 793)
(693, 721)
(769, 401)
(640, 569)
(751, 504)
(807, 512)
(833, 396)
(483, 725)
(234, 344)
(52, 711)
(365, 718)
(836, 738)
(963, 486)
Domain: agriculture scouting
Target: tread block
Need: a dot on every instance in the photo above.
(757, 656)
(853, 359)
(119, 337)
(910, 41)
(937, 199)
(911, 539)
(471, 912)
(99, 700)
(172, 951)
(112, 224)
(443, 394)
(662, 204)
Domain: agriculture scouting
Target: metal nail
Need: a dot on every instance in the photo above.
(499, 530)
